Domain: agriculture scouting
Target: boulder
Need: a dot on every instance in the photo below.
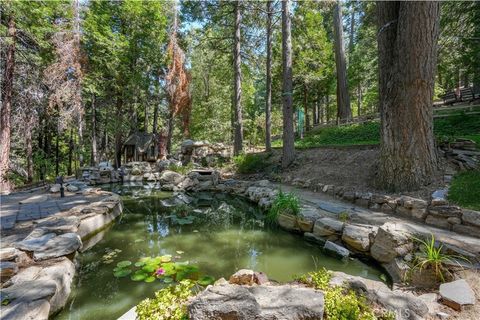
(437, 221)
(7, 269)
(288, 222)
(72, 188)
(457, 294)
(171, 177)
(243, 277)
(7, 254)
(471, 217)
(412, 203)
(358, 237)
(228, 302)
(55, 188)
(32, 243)
(20, 310)
(336, 249)
(397, 269)
(446, 211)
(327, 226)
(59, 224)
(27, 291)
(313, 238)
(392, 240)
(59, 246)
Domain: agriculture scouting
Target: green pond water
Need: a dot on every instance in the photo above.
(227, 234)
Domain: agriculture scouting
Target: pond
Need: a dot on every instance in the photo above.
(226, 235)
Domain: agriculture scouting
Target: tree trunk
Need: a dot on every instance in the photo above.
(70, 151)
(80, 139)
(352, 31)
(327, 107)
(5, 111)
(57, 148)
(155, 119)
(407, 49)
(288, 132)
(359, 99)
(344, 112)
(94, 159)
(305, 108)
(29, 152)
(268, 93)
(237, 62)
(118, 133)
(170, 132)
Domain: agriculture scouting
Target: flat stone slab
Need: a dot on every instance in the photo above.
(336, 250)
(35, 243)
(34, 310)
(27, 291)
(60, 224)
(59, 246)
(7, 254)
(35, 199)
(457, 294)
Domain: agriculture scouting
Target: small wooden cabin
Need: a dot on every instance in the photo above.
(141, 146)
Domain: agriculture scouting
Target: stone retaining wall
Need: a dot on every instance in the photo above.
(38, 270)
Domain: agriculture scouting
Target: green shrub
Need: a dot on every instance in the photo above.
(340, 303)
(465, 189)
(284, 203)
(343, 216)
(169, 303)
(251, 163)
(181, 169)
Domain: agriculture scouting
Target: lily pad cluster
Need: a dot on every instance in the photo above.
(163, 268)
(109, 255)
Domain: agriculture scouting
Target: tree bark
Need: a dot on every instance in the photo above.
(237, 62)
(268, 93)
(288, 152)
(29, 152)
(305, 108)
(352, 31)
(118, 133)
(94, 159)
(70, 153)
(359, 99)
(344, 112)
(170, 131)
(5, 111)
(407, 50)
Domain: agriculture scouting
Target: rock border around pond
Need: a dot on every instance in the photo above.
(38, 270)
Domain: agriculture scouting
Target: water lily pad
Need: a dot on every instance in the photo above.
(139, 264)
(122, 273)
(149, 268)
(206, 280)
(138, 276)
(124, 263)
(168, 279)
(166, 258)
(149, 279)
(180, 251)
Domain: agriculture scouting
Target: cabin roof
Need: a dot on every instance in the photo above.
(140, 140)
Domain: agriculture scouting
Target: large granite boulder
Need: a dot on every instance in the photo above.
(359, 237)
(325, 227)
(392, 240)
(285, 302)
(59, 246)
(171, 177)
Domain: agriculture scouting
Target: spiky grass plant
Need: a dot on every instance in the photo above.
(284, 203)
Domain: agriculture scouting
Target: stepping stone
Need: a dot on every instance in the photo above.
(35, 199)
(62, 245)
(457, 294)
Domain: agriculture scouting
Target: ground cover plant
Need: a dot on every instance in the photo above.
(465, 189)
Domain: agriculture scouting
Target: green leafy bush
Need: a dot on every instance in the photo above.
(251, 162)
(465, 189)
(340, 303)
(284, 203)
(169, 303)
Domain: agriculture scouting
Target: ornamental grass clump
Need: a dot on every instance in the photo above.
(432, 257)
(284, 203)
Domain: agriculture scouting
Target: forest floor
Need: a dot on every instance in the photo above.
(351, 167)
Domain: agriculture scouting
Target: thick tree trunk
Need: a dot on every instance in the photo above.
(407, 49)
(268, 93)
(155, 119)
(344, 112)
(6, 109)
(352, 32)
(118, 133)
(80, 139)
(94, 159)
(327, 107)
(170, 132)
(237, 63)
(70, 153)
(359, 99)
(288, 154)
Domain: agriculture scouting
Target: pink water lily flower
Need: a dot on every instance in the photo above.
(160, 272)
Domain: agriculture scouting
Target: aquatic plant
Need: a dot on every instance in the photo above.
(163, 268)
(169, 303)
(284, 203)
